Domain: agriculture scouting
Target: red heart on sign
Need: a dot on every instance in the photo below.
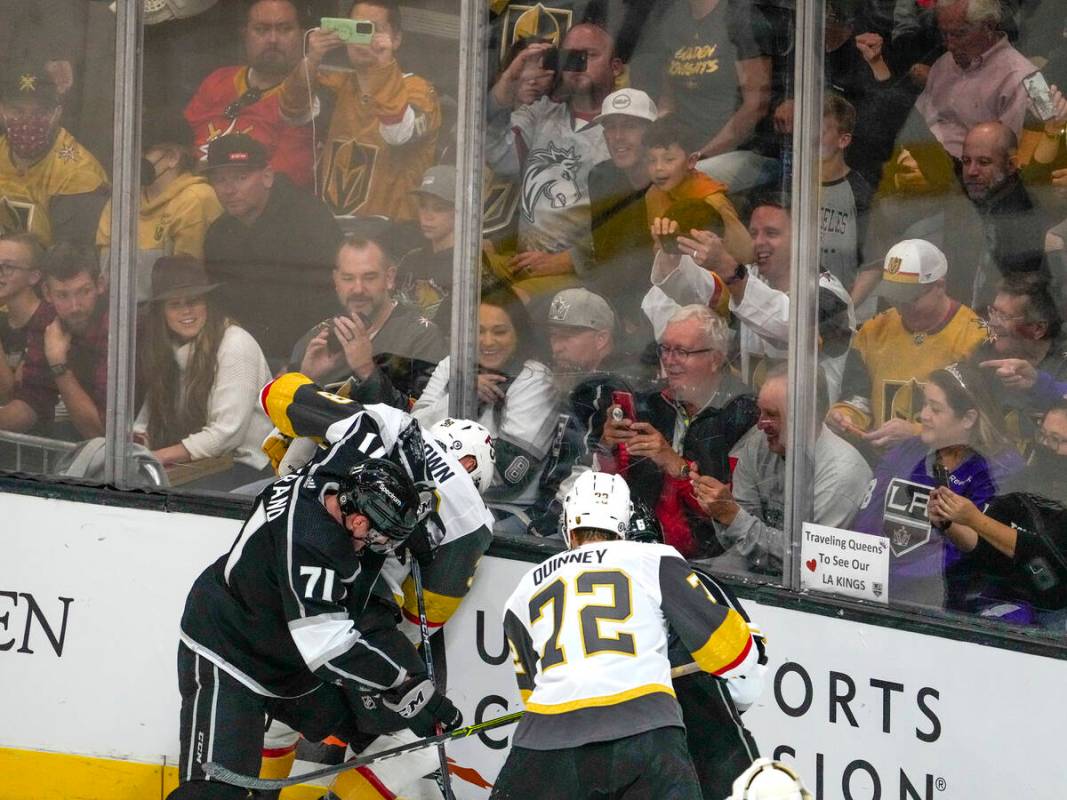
(810, 564)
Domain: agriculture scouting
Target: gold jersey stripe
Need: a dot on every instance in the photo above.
(726, 646)
(439, 607)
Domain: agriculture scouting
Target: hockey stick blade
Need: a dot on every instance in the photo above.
(221, 773)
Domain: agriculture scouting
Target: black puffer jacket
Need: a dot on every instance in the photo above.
(710, 436)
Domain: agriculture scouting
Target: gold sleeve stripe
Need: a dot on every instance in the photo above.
(278, 395)
(439, 607)
(600, 702)
(525, 695)
(726, 647)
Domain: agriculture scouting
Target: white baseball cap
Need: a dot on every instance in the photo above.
(909, 267)
(628, 103)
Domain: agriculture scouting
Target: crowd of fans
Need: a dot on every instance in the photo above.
(297, 213)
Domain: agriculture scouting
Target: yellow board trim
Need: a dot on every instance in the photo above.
(32, 774)
(599, 702)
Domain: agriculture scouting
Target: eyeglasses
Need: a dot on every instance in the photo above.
(999, 317)
(8, 268)
(960, 31)
(1050, 440)
(680, 353)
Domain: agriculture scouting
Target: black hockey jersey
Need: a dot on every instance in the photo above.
(277, 611)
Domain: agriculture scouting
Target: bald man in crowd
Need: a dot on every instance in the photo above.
(1012, 227)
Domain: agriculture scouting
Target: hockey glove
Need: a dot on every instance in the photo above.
(275, 446)
(419, 546)
(422, 706)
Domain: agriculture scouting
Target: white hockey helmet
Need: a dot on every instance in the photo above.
(598, 500)
(769, 780)
(464, 437)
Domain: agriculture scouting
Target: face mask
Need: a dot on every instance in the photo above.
(30, 136)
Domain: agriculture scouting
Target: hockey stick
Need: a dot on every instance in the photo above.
(221, 773)
(445, 783)
(692, 668)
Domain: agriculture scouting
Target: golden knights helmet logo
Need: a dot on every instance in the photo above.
(348, 168)
(902, 400)
(551, 173)
(500, 198)
(533, 22)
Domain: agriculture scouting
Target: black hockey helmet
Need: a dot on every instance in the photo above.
(382, 491)
(644, 525)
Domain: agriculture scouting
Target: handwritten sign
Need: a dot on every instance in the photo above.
(844, 562)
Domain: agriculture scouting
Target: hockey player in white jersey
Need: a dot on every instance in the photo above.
(588, 633)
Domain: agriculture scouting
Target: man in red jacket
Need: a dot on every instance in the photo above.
(244, 98)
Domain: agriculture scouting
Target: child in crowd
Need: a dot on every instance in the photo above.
(672, 158)
(844, 203)
(425, 274)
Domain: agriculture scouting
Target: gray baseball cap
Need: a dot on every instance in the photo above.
(580, 308)
(440, 182)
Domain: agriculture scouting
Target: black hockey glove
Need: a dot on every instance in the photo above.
(419, 703)
(419, 546)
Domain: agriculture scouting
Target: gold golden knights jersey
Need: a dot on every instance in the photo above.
(66, 169)
(588, 633)
(382, 138)
(886, 368)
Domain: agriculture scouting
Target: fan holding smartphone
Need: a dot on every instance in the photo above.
(386, 346)
(550, 148)
(383, 130)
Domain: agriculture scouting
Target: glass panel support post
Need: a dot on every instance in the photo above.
(804, 284)
(122, 277)
(466, 268)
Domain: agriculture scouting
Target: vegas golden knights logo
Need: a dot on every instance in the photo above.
(902, 400)
(533, 22)
(348, 169)
(500, 203)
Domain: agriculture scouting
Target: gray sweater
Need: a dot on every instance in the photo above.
(754, 540)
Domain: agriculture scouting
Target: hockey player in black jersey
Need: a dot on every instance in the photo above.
(453, 463)
(588, 634)
(719, 743)
(269, 629)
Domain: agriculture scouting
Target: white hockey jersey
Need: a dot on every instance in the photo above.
(588, 633)
(553, 152)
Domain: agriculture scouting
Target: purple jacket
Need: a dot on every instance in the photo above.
(925, 557)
